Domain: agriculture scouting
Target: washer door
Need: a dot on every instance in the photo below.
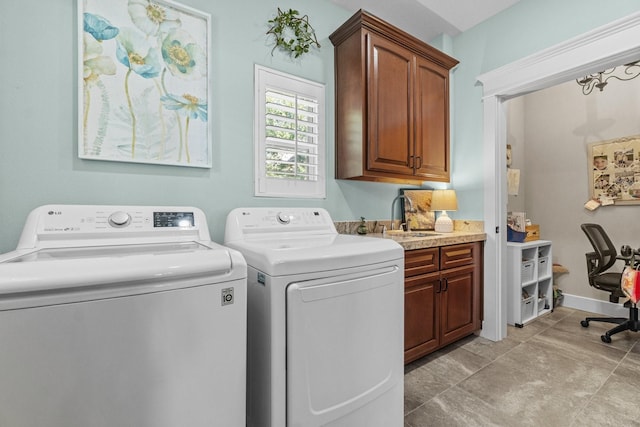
(345, 349)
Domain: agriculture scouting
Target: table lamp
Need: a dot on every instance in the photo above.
(444, 200)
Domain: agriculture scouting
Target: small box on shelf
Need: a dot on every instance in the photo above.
(532, 232)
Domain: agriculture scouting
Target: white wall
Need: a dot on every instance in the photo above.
(516, 138)
(556, 125)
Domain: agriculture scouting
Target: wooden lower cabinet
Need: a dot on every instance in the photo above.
(421, 313)
(443, 297)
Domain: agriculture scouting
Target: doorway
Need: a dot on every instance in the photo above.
(602, 48)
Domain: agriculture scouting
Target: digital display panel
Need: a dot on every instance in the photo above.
(173, 219)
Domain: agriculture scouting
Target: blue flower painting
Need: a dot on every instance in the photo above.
(145, 91)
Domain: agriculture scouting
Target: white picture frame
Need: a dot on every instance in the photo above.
(144, 86)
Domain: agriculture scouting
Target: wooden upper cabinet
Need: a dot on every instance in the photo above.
(392, 104)
(432, 121)
(390, 107)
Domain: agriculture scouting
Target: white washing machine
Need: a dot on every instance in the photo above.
(325, 321)
(121, 316)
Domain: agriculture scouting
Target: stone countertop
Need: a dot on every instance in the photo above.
(432, 240)
(465, 231)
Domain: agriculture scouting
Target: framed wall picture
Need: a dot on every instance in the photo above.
(143, 82)
(423, 218)
(614, 170)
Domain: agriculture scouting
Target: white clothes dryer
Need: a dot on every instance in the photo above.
(325, 321)
(121, 316)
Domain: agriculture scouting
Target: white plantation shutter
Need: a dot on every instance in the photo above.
(289, 136)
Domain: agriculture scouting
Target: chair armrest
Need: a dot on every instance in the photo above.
(592, 263)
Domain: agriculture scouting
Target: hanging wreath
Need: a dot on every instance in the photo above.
(293, 34)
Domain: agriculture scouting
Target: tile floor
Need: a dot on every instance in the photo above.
(553, 372)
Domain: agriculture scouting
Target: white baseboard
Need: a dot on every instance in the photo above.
(590, 305)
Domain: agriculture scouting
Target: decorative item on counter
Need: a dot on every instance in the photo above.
(362, 228)
(422, 216)
(444, 200)
(293, 34)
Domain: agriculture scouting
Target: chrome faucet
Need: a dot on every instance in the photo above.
(393, 204)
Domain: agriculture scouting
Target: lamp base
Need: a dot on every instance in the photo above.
(444, 224)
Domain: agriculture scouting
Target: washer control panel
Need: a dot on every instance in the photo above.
(67, 222)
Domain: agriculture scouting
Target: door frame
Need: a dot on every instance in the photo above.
(605, 47)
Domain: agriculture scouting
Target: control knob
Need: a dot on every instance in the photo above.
(119, 219)
(283, 218)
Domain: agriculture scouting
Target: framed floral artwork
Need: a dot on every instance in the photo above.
(144, 90)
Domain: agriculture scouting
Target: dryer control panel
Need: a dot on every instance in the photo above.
(245, 222)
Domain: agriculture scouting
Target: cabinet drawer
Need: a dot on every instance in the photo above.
(421, 261)
(457, 255)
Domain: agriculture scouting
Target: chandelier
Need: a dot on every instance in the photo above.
(599, 80)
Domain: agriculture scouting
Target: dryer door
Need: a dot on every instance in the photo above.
(345, 350)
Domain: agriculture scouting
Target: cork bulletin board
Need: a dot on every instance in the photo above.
(614, 170)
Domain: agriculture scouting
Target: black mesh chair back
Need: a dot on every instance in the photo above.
(599, 261)
(605, 253)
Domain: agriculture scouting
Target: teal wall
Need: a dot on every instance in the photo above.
(525, 28)
(38, 109)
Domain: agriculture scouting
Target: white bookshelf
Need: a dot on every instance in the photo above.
(529, 281)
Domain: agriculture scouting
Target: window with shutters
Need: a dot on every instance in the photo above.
(289, 136)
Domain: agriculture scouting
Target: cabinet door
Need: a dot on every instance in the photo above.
(420, 315)
(390, 107)
(457, 304)
(432, 121)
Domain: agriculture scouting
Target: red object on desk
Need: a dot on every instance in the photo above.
(630, 283)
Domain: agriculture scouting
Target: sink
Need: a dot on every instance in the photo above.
(401, 233)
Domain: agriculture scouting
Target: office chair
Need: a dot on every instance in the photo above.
(599, 262)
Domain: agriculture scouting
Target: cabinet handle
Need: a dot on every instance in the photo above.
(439, 286)
(411, 162)
(446, 285)
(419, 162)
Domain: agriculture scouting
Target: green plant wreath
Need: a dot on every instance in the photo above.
(293, 34)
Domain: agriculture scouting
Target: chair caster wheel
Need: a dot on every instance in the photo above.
(606, 338)
(584, 323)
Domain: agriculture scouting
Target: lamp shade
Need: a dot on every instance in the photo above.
(444, 200)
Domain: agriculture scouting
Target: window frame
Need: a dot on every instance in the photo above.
(268, 79)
